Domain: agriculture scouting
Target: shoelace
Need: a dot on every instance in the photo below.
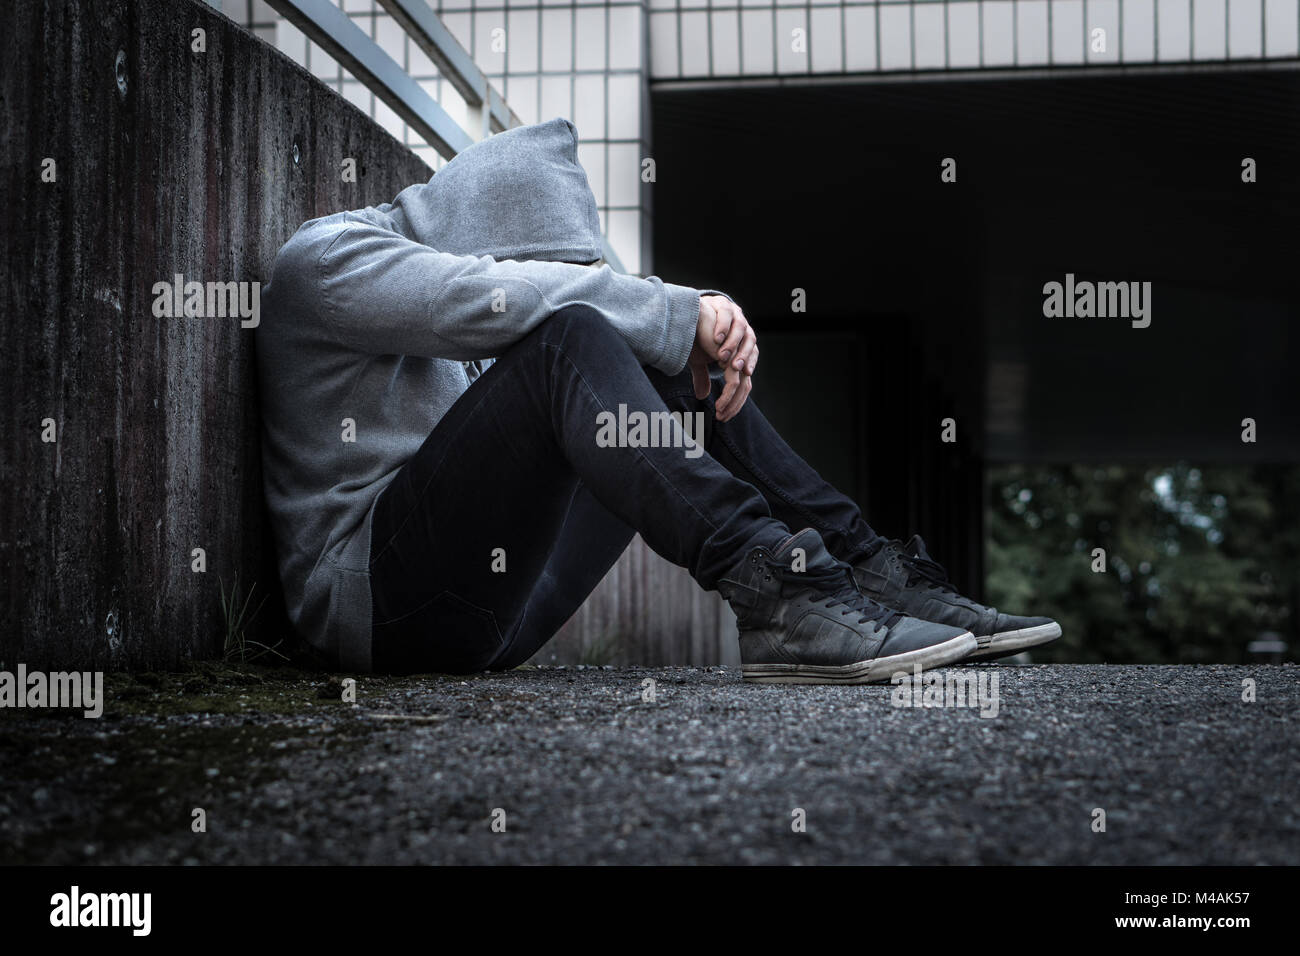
(838, 586)
(924, 568)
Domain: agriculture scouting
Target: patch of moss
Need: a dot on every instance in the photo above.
(76, 790)
(212, 688)
(79, 793)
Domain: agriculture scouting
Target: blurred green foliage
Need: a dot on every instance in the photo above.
(1200, 559)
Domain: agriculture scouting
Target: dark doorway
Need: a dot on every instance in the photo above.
(933, 291)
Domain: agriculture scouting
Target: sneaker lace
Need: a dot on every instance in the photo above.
(924, 568)
(838, 587)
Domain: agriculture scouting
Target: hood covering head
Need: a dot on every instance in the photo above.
(517, 195)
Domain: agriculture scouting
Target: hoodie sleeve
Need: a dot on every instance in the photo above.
(381, 293)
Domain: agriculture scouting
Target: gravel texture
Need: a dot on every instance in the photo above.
(712, 770)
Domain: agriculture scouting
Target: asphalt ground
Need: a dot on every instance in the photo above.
(595, 765)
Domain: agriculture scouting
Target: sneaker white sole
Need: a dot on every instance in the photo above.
(864, 672)
(1011, 642)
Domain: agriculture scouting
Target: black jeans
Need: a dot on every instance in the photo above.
(500, 526)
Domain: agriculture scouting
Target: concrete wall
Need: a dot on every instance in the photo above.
(203, 166)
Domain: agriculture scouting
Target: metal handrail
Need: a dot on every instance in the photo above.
(331, 28)
(453, 61)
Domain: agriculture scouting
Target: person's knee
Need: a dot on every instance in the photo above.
(674, 389)
(580, 328)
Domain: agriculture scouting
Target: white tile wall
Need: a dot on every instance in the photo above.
(1102, 15)
(1173, 29)
(958, 34)
(1066, 34)
(963, 31)
(589, 60)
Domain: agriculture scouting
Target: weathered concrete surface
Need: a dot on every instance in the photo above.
(587, 771)
(203, 167)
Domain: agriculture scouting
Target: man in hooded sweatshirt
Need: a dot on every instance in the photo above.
(434, 375)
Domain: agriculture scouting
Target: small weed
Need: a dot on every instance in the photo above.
(238, 647)
(601, 651)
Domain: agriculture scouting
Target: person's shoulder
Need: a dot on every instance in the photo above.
(299, 259)
(316, 234)
(295, 271)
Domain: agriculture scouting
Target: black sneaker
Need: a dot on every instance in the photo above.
(803, 620)
(904, 577)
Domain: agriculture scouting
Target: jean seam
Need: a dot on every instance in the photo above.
(490, 616)
(768, 482)
(578, 372)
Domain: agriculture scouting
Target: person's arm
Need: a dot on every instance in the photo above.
(381, 293)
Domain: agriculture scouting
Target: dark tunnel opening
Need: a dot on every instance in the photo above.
(925, 299)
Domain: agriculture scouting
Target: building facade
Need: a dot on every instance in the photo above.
(595, 63)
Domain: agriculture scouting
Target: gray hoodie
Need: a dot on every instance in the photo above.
(376, 320)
